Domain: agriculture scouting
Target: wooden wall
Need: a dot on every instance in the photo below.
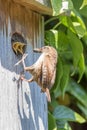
(22, 105)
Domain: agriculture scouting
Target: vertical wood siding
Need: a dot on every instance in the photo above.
(22, 105)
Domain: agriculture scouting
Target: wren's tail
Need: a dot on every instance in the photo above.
(48, 95)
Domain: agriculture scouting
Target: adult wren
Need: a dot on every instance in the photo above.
(44, 69)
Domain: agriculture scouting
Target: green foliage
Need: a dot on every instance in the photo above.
(63, 125)
(66, 114)
(78, 92)
(52, 122)
(68, 34)
(57, 5)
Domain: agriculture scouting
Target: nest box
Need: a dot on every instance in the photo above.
(22, 106)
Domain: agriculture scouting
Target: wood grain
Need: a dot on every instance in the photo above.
(22, 105)
(35, 6)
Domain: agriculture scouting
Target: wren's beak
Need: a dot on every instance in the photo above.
(38, 50)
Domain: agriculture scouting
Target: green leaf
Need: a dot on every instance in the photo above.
(62, 42)
(65, 20)
(51, 37)
(79, 118)
(51, 122)
(63, 46)
(85, 71)
(76, 45)
(85, 38)
(53, 103)
(77, 4)
(78, 24)
(83, 11)
(59, 7)
(65, 113)
(80, 31)
(63, 125)
(84, 3)
(57, 39)
(83, 109)
(64, 79)
(81, 67)
(59, 75)
(56, 5)
(78, 92)
(74, 23)
(70, 4)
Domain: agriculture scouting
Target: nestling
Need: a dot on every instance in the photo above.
(18, 47)
(44, 69)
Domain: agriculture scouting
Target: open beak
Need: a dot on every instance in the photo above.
(38, 50)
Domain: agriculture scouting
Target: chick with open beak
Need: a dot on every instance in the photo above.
(44, 69)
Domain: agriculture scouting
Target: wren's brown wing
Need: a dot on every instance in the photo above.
(48, 75)
(45, 75)
(48, 72)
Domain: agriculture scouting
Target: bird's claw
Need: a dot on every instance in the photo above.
(22, 77)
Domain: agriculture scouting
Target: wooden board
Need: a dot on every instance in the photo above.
(22, 105)
(37, 6)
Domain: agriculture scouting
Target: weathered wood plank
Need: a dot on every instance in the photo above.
(22, 105)
(35, 6)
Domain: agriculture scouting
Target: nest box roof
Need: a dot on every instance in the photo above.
(40, 6)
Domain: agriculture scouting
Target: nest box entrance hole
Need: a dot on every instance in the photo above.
(18, 43)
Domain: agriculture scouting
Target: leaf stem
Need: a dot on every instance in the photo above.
(56, 25)
(49, 20)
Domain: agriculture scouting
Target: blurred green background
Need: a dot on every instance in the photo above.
(66, 30)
